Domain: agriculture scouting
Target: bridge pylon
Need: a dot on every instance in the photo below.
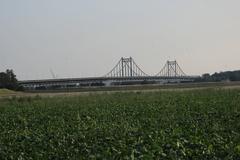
(126, 67)
(171, 69)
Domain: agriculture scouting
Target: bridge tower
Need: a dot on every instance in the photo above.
(171, 69)
(126, 67)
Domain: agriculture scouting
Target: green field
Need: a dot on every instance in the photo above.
(6, 91)
(192, 124)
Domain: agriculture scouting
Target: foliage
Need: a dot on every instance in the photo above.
(199, 124)
(8, 80)
(222, 76)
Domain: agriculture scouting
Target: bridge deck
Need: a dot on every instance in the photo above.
(64, 80)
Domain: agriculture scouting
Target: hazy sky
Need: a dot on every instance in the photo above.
(82, 38)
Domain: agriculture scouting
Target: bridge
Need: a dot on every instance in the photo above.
(125, 72)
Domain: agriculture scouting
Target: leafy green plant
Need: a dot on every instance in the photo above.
(198, 124)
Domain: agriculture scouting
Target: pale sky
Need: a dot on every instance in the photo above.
(84, 38)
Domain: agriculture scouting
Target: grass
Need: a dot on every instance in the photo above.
(194, 124)
(6, 91)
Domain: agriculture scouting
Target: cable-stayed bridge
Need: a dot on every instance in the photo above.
(125, 72)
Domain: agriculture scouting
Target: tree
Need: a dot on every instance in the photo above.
(221, 76)
(206, 77)
(8, 80)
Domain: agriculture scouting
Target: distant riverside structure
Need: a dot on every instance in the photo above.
(125, 72)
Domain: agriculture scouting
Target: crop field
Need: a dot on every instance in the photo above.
(192, 124)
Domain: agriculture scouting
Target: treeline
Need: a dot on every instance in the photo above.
(221, 76)
(9, 80)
